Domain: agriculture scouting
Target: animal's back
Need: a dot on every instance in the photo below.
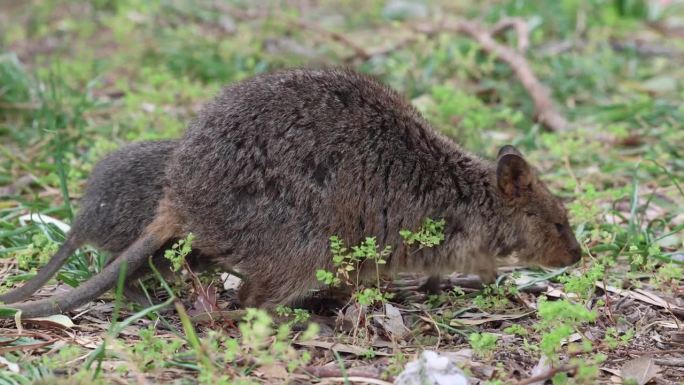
(276, 164)
(122, 194)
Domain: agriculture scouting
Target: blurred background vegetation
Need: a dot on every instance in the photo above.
(79, 79)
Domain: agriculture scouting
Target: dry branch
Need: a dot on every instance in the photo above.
(359, 51)
(545, 112)
(334, 372)
(521, 28)
(355, 379)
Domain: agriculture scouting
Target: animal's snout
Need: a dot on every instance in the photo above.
(575, 253)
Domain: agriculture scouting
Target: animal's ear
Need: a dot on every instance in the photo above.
(513, 175)
(508, 149)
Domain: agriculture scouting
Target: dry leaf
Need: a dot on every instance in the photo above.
(338, 347)
(273, 371)
(558, 293)
(542, 366)
(614, 372)
(642, 370)
(574, 337)
(640, 295)
(392, 322)
(88, 342)
(59, 321)
(205, 302)
(472, 321)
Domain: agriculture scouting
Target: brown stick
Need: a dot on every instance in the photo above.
(654, 352)
(545, 112)
(521, 29)
(385, 49)
(359, 51)
(330, 371)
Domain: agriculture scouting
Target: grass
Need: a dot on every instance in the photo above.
(80, 79)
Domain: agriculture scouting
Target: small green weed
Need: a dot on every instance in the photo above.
(178, 251)
(296, 315)
(483, 343)
(614, 339)
(517, 330)
(348, 262)
(430, 234)
(559, 319)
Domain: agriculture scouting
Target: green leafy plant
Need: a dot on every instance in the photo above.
(559, 319)
(614, 339)
(297, 315)
(152, 352)
(348, 267)
(430, 234)
(516, 330)
(178, 251)
(583, 284)
(495, 296)
(483, 343)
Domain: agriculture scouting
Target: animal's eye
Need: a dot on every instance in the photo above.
(559, 227)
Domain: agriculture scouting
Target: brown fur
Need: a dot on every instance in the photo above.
(278, 163)
(119, 200)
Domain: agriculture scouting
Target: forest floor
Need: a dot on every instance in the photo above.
(80, 79)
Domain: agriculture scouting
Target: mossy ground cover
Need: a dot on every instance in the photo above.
(79, 79)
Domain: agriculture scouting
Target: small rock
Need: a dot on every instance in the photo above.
(431, 369)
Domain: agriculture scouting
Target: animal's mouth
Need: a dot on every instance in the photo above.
(541, 260)
(559, 261)
(509, 260)
(538, 259)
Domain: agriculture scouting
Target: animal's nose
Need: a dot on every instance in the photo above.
(576, 253)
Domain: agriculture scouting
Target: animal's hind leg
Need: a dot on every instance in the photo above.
(267, 291)
(131, 291)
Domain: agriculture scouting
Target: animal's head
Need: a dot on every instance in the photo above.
(540, 230)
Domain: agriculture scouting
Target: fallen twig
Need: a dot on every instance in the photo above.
(545, 112)
(678, 362)
(655, 352)
(335, 372)
(359, 51)
(647, 49)
(384, 50)
(364, 380)
(521, 28)
(5, 347)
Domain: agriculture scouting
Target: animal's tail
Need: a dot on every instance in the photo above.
(65, 251)
(154, 237)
